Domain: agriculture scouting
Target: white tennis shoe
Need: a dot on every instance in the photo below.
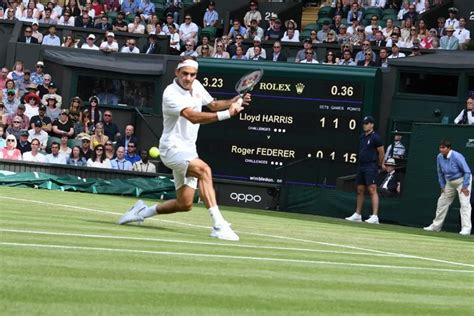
(356, 217)
(373, 219)
(431, 228)
(132, 215)
(224, 232)
(465, 231)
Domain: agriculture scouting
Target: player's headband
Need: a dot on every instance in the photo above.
(188, 63)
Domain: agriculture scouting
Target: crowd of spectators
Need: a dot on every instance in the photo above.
(36, 126)
(349, 24)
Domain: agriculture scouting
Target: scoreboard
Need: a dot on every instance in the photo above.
(302, 126)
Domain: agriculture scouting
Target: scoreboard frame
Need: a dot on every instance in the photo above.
(321, 105)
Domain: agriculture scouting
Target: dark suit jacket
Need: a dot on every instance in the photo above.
(372, 63)
(155, 50)
(121, 141)
(281, 57)
(33, 40)
(383, 43)
(107, 27)
(392, 183)
(80, 23)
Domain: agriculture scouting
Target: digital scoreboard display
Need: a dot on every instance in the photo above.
(298, 129)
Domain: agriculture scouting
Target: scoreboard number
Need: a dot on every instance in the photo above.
(342, 91)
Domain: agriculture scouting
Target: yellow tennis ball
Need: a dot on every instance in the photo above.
(154, 152)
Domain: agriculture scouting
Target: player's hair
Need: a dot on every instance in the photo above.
(184, 58)
(445, 143)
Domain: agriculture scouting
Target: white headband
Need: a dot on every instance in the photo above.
(188, 63)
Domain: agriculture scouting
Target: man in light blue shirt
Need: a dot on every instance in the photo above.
(211, 16)
(52, 39)
(454, 176)
(120, 163)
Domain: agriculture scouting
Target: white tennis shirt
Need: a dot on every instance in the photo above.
(179, 133)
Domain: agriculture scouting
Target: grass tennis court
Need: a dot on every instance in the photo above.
(61, 253)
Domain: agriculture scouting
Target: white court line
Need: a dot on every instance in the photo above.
(226, 245)
(70, 207)
(186, 254)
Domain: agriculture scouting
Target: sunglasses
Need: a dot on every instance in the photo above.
(131, 146)
(107, 115)
(276, 46)
(11, 94)
(10, 140)
(309, 53)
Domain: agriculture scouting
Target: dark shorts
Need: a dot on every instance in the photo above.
(366, 176)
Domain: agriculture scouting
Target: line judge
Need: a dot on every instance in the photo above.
(182, 103)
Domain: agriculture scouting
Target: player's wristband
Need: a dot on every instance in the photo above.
(223, 115)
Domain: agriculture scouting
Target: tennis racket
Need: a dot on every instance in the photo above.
(248, 82)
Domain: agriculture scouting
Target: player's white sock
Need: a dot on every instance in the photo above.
(149, 211)
(216, 215)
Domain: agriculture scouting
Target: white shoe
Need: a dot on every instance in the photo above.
(465, 231)
(132, 215)
(373, 219)
(224, 232)
(431, 228)
(356, 217)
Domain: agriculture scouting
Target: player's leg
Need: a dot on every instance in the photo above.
(360, 191)
(373, 219)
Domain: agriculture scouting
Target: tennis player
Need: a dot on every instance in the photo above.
(182, 103)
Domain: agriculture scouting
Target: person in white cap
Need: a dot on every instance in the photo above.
(182, 116)
(89, 43)
(110, 45)
(257, 42)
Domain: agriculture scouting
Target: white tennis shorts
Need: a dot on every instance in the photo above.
(178, 161)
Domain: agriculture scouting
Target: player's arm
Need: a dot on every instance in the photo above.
(219, 105)
(211, 117)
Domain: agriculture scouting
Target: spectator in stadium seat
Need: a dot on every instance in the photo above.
(251, 51)
(291, 36)
(169, 21)
(382, 61)
(154, 26)
(98, 137)
(440, 29)
(309, 53)
(16, 74)
(463, 34)
(360, 56)
(355, 13)
(136, 26)
(174, 40)
(323, 33)
(301, 54)
(111, 5)
(313, 36)
(110, 128)
(86, 150)
(331, 59)
(131, 154)
(275, 32)
(47, 19)
(352, 29)
(67, 19)
(22, 143)
(359, 37)
(55, 157)
(368, 60)
(378, 40)
(10, 151)
(119, 162)
(395, 39)
(396, 53)
(95, 113)
(109, 150)
(211, 16)
(43, 118)
(331, 38)
(406, 29)
(36, 33)
(277, 55)
(144, 165)
(188, 29)
(254, 30)
(72, 7)
(236, 30)
(252, 14)
(343, 37)
(455, 177)
(219, 50)
(37, 133)
(32, 102)
(85, 21)
(449, 41)
(205, 42)
(341, 7)
(258, 53)
(10, 99)
(76, 158)
(452, 20)
(413, 38)
(239, 53)
(231, 49)
(466, 116)
(189, 49)
(20, 112)
(38, 76)
(28, 17)
(146, 9)
(415, 50)
(52, 91)
(70, 42)
(378, 3)
(63, 146)
(3, 117)
(205, 51)
(388, 182)
(98, 159)
(3, 78)
(337, 22)
(422, 28)
(130, 47)
(62, 126)
(110, 45)
(104, 24)
(374, 23)
(129, 136)
(346, 59)
(173, 7)
(28, 36)
(51, 39)
(90, 43)
(396, 149)
(411, 14)
(14, 128)
(23, 83)
(129, 7)
(34, 154)
(430, 41)
(120, 25)
(292, 25)
(388, 29)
